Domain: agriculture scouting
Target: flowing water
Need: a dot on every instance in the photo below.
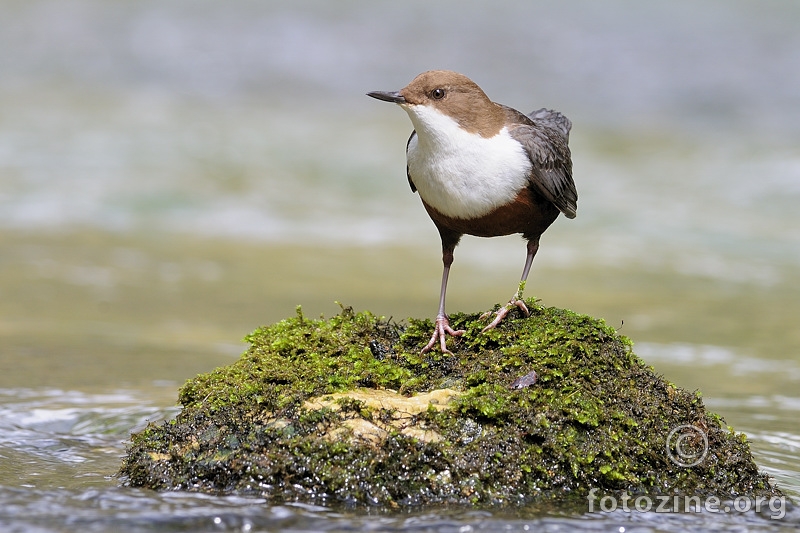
(175, 174)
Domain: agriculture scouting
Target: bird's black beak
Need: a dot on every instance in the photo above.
(394, 97)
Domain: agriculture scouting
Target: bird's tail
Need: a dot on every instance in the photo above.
(553, 119)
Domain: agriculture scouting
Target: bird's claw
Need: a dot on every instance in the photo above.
(441, 329)
(503, 311)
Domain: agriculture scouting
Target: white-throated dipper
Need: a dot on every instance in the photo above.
(483, 169)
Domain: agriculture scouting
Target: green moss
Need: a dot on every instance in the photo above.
(596, 417)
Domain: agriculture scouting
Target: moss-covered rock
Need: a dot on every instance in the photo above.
(347, 409)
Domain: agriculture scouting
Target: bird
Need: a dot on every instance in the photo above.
(483, 169)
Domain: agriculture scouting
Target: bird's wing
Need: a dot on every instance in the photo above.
(544, 134)
(411, 183)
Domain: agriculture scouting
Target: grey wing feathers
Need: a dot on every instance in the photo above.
(545, 135)
(408, 175)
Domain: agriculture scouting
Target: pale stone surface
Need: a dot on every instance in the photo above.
(398, 414)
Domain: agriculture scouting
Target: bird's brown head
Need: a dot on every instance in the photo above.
(451, 94)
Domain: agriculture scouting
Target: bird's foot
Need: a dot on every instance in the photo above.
(501, 313)
(441, 329)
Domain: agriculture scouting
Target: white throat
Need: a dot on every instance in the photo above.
(461, 174)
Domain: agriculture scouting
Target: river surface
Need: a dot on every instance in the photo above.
(175, 174)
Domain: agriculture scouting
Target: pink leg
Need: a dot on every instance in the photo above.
(442, 327)
(516, 300)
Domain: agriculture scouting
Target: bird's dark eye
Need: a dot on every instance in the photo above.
(437, 94)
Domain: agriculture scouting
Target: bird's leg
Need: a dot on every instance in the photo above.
(442, 327)
(516, 300)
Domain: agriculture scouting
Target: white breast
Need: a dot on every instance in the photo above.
(461, 174)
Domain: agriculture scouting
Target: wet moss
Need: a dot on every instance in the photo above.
(318, 410)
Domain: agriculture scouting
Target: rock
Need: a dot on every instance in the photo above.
(347, 409)
(398, 413)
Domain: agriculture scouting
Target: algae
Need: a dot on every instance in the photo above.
(348, 410)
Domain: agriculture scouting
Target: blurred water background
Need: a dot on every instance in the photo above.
(175, 174)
